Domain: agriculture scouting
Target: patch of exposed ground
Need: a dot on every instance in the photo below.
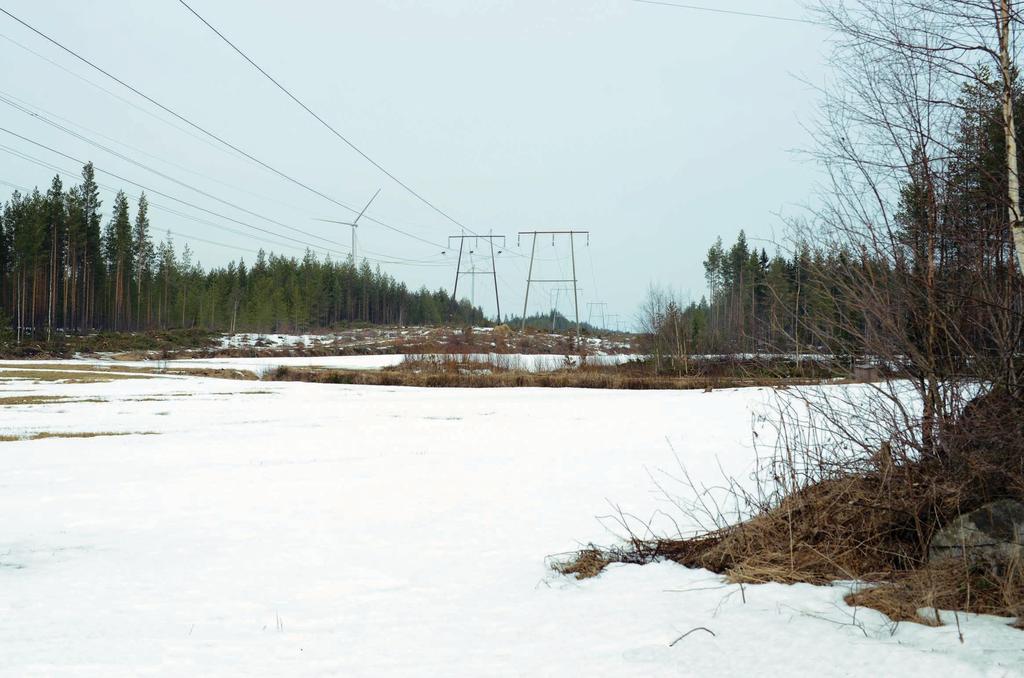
(43, 435)
(43, 400)
(71, 374)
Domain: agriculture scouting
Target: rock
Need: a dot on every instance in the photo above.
(992, 535)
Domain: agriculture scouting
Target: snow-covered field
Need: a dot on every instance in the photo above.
(255, 365)
(529, 363)
(294, 529)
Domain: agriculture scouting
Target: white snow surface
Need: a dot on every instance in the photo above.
(261, 365)
(294, 529)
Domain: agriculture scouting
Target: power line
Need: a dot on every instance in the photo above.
(120, 98)
(24, 107)
(182, 234)
(71, 175)
(733, 12)
(135, 149)
(206, 137)
(160, 193)
(191, 217)
(206, 132)
(197, 207)
(118, 154)
(323, 122)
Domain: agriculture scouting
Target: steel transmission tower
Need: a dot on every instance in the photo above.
(529, 276)
(494, 268)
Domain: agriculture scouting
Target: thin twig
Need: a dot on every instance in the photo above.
(696, 628)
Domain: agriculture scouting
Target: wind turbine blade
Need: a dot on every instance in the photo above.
(356, 220)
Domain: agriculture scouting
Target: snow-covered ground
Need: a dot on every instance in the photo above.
(294, 529)
(387, 339)
(367, 337)
(530, 363)
(383, 339)
(255, 365)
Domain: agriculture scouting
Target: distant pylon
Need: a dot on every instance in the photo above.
(529, 275)
(494, 268)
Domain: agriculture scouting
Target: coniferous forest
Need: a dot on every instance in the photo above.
(64, 266)
(945, 255)
(758, 303)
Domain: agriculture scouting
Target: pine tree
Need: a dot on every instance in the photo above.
(54, 243)
(92, 269)
(118, 241)
(142, 250)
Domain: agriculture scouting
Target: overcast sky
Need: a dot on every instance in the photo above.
(656, 129)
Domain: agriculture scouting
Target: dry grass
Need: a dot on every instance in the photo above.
(919, 594)
(430, 374)
(31, 400)
(860, 527)
(44, 400)
(69, 373)
(43, 435)
(238, 375)
(89, 374)
(68, 366)
(587, 563)
(212, 373)
(863, 528)
(133, 356)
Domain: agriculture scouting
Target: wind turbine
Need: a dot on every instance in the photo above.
(354, 224)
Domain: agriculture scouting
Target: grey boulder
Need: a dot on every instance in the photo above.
(992, 535)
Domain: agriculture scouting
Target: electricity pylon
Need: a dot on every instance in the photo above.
(554, 293)
(529, 276)
(494, 268)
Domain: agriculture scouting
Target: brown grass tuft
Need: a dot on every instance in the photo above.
(588, 562)
(31, 400)
(44, 400)
(849, 528)
(65, 373)
(916, 595)
(43, 435)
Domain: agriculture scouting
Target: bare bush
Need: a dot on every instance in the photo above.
(922, 207)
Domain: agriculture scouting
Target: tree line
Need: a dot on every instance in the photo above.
(63, 269)
(937, 270)
(756, 303)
